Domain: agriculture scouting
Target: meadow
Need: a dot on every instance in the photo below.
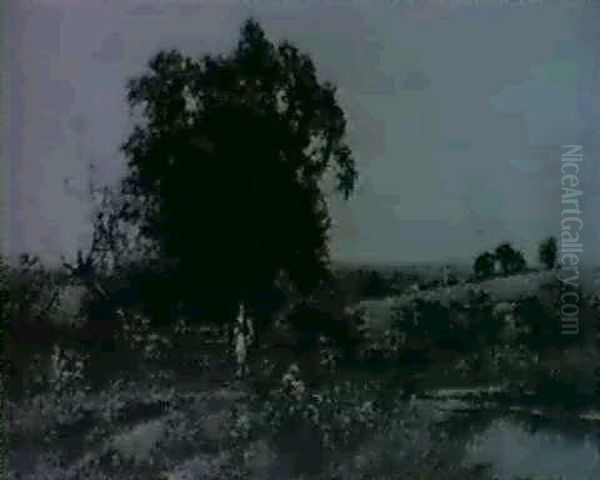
(388, 375)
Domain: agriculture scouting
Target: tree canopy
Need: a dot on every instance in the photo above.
(225, 170)
(484, 265)
(511, 260)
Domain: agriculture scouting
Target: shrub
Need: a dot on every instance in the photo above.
(33, 291)
(536, 326)
(430, 326)
(340, 412)
(310, 321)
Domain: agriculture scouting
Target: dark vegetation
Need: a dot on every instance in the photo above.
(547, 252)
(223, 205)
(509, 261)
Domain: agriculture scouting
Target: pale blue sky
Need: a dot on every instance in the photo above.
(456, 112)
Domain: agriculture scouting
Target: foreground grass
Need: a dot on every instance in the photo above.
(167, 403)
(180, 413)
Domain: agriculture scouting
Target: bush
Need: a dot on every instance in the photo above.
(310, 321)
(340, 413)
(56, 391)
(430, 326)
(537, 327)
(32, 298)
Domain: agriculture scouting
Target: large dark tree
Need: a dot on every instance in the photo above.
(226, 169)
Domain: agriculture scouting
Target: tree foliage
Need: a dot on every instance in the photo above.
(511, 260)
(484, 265)
(547, 252)
(225, 171)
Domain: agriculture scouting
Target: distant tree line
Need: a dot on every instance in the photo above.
(505, 259)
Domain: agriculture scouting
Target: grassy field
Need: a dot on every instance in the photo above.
(165, 402)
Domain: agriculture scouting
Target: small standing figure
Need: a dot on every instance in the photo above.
(446, 275)
(243, 336)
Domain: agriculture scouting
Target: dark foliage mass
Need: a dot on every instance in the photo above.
(547, 252)
(225, 173)
(511, 261)
(484, 265)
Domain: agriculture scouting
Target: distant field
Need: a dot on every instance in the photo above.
(378, 311)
